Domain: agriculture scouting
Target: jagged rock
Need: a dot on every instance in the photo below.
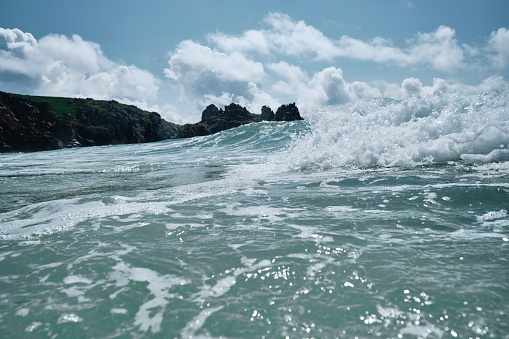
(210, 113)
(267, 113)
(29, 123)
(287, 113)
(216, 120)
(30, 126)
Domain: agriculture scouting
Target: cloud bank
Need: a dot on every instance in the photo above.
(281, 62)
(57, 65)
(258, 63)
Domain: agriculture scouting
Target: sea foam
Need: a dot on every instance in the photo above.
(418, 130)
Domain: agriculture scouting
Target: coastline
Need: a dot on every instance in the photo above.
(38, 123)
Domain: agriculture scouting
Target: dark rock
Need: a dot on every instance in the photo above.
(30, 123)
(287, 113)
(267, 113)
(30, 126)
(210, 114)
(216, 120)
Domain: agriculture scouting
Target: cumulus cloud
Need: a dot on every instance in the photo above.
(324, 88)
(254, 64)
(62, 66)
(411, 87)
(203, 72)
(499, 44)
(439, 49)
(281, 62)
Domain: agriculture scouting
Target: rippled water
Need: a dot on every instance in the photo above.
(343, 226)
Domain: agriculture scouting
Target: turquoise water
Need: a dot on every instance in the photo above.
(376, 219)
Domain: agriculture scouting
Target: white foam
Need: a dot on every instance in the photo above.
(23, 312)
(60, 215)
(257, 212)
(197, 322)
(420, 331)
(492, 215)
(150, 314)
(73, 279)
(118, 311)
(69, 318)
(33, 326)
(312, 233)
(414, 131)
(341, 209)
(223, 285)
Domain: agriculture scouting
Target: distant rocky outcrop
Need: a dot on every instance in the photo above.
(267, 113)
(288, 112)
(30, 123)
(214, 119)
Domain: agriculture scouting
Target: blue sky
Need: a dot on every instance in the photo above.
(176, 57)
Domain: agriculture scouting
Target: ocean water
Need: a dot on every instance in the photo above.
(379, 218)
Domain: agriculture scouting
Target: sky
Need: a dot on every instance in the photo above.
(177, 57)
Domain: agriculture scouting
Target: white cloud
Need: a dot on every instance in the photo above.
(438, 50)
(499, 44)
(325, 88)
(15, 47)
(195, 58)
(251, 40)
(297, 38)
(255, 64)
(291, 73)
(62, 66)
(331, 85)
(407, 3)
(202, 71)
(81, 56)
(271, 65)
(16, 42)
(411, 87)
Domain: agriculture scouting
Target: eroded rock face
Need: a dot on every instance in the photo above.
(210, 114)
(29, 125)
(267, 113)
(288, 112)
(215, 120)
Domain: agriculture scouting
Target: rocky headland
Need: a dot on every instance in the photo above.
(33, 123)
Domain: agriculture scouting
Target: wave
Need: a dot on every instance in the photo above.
(415, 131)
(264, 136)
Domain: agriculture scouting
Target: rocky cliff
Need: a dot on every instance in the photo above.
(31, 123)
(45, 123)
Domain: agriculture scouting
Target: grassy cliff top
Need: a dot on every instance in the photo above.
(64, 105)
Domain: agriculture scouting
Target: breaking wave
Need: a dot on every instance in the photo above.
(415, 131)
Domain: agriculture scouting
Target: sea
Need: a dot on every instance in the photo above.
(378, 218)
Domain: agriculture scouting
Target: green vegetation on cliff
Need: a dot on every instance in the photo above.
(35, 123)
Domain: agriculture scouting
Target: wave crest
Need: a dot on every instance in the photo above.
(414, 131)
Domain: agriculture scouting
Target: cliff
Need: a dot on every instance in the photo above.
(32, 123)
(29, 123)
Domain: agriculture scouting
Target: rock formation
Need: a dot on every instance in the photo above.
(30, 123)
(287, 113)
(215, 120)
